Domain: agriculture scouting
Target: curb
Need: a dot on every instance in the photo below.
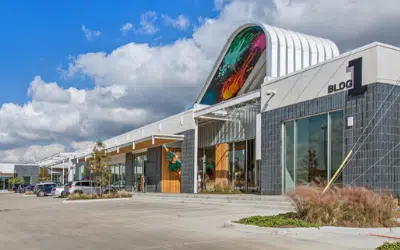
(297, 231)
(95, 200)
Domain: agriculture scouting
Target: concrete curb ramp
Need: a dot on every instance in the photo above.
(95, 200)
(303, 230)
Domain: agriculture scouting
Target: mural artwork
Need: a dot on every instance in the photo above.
(236, 66)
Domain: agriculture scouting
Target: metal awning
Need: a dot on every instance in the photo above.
(222, 109)
(140, 144)
(55, 159)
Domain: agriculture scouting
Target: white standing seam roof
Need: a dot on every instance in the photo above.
(165, 128)
(56, 159)
(7, 168)
(286, 51)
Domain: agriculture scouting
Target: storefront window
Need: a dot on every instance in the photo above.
(312, 146)
(239, 164)
(309, 143)
(289, 156)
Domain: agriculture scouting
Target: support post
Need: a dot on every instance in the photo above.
(63, 178)
(196, 168)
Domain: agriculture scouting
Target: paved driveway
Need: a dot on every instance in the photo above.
(47, 223)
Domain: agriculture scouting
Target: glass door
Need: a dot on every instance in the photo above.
(245, 171)
(3, 183)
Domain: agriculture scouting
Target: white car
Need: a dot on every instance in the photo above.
(56, 191)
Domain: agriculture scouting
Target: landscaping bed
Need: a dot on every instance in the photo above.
(287, 220)
(355, 207)
(389, 246)
(116, 195)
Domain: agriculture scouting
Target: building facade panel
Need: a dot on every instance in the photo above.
(188, 154)
(376, 152)
(30, 172)
(129, 182)
(271, 142)
(152, 170)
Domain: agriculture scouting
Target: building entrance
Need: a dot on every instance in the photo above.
(229, 166)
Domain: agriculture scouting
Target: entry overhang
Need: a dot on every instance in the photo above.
(143, 143)
(226, 104)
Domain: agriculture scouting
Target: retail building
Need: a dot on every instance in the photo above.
(279, 109)
(29, 172)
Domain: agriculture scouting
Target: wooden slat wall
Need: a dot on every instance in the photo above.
(221, 162)
(170, 183)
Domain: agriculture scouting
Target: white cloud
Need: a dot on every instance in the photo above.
(30, 154)
(219, 4)
(134, 82)
(82, 145)
(126, 28)
(147, 23)
(181, 22)
(90, 34)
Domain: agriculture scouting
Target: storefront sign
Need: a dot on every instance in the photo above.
(353, 85)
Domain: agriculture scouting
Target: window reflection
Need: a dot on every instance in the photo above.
(306, 145)
(312, 137)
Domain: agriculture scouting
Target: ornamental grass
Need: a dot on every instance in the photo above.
(345, 206)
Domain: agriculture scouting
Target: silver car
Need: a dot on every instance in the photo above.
(81, 187)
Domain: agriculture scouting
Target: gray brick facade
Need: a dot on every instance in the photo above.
(129, 172)
(384, 175)
(78, 168)
(31, 171)
(187, 174)
(376, 164)
(152, 170)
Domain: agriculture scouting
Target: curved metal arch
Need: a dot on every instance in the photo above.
(284, 47)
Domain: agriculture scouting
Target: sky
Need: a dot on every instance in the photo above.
(73, 72)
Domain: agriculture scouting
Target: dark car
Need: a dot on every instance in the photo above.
(17, 187)
(44, 189)
(28, 188)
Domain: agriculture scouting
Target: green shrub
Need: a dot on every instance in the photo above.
(389, 246)
(344, 206)
(281, 220)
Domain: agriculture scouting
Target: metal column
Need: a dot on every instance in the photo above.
(63, 178)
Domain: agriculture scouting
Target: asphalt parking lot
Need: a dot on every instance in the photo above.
(48, 223)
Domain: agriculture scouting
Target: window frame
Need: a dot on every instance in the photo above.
(329, 146)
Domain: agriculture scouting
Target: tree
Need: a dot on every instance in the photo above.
(44, 174)
(98, 165)
(16, 180)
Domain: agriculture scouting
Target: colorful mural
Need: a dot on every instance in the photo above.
(236, 66)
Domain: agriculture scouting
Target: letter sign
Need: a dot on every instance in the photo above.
(354, 85)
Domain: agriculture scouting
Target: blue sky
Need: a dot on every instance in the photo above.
(138, 83)
(38, 36)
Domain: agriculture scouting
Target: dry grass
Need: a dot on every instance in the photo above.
(29, 193)
(347, 206)
(221, 187)
(119, 194)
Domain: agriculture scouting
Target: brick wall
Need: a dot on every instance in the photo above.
(371, 166)
(187, 174)
(31, 171)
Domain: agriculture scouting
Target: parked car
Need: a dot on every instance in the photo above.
(28, 188)
(18, 187)
(118, 185)
(58, 191)
(44, 189)
(81, 187)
